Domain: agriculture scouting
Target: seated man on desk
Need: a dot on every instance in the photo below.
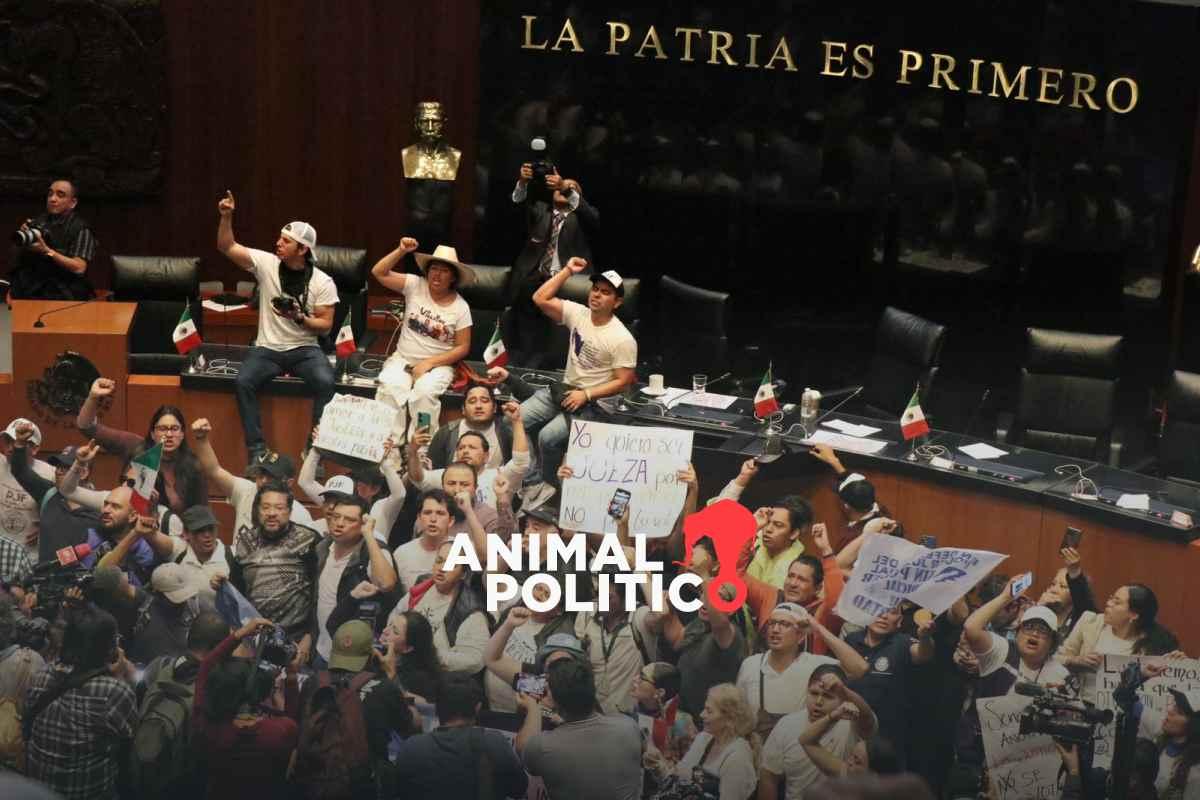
(295, 306)
(54, 250)
(601, 359)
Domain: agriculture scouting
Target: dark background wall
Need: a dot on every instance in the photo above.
(300, 107)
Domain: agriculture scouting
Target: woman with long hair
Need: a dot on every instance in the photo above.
(411, 660)
(180, 483)
(724, 756)
(245, 743)
(1128, 626)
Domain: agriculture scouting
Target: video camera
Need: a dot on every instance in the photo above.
(28, 236)
(695, 788)
(285, 304)
(51, 586)
(275, 647)
(1061, 716)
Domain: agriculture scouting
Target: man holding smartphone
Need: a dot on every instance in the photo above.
(295, 306)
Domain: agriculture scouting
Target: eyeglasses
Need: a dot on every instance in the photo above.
(780, 623)
(168, 429)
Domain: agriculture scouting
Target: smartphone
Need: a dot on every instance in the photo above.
(618, 504)
(1022, 583)
(379, 647)
(423, 420)
(1071, 538)
(929, 541)
(532, 685)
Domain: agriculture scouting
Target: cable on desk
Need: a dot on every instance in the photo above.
(657, 404)
(1084, 487)
(928, 452)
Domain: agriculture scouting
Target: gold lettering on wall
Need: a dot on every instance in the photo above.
(942, 66)
(752, 61)
(976, 63)
(617, 32)
(568, 35)
(528, 43)
(864, 65)
(727, 42)
(688, 34)
(782, 52)
(909, 61)
(651, 40)
(1000, 78)
(835, 53)
(1048, 84)
(1133, 94)
(1085, 84)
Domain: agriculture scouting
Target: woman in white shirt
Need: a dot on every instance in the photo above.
(435, 333)
(725, 753)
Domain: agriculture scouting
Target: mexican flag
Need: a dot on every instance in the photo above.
(344, 344)
(186, 337)
(495, 355)
(145, 468)
(912, 421)
(765, 403)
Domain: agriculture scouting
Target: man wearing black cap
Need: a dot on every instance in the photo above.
(200, 549)
(601, 359)
(241, 491)
(64, 523)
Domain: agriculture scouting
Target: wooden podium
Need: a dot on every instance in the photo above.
(98, 331)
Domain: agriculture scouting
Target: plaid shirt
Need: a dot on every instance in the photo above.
(15, 563)
(77, 739)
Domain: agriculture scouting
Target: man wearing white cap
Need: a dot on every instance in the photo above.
(295, 306)
(435, 334)
(601, 359)
(18, 509)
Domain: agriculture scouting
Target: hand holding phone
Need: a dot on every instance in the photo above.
(929, 541)
(423, 420)
(1071, 539)
(532, 685)
(1021, 583)
(616, 506)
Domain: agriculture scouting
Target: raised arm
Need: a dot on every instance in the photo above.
(85, 420)
(722, 627)
(416, 469)
(218, 477)
(545, 296)
(383, 574)
(975, 628)
(810, 740)
(22, 469)
(518, 465)
(503, 666)
(854, 664)
(116, 557)
(849, 554)
(384, 266)
(70, 488)
(691, 501)
(226, 244)
(307, 478)
(478, 534)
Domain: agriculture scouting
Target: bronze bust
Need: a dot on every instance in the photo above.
(430, 158)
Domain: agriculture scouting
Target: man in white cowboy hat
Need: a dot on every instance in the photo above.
(295, 306)
(435, 333)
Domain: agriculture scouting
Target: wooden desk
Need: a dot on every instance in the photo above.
(97, 330)
(231, 327)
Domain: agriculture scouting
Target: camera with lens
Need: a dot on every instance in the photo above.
(275, 647)
(285, 304)
(698, 787)
(538, 160)
(51, 588)
(1061, 716)
(28, 236)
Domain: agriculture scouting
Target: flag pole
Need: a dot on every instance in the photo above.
(912, 443)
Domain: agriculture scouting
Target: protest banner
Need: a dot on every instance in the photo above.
(890, 569)
(1020, 767)
(642, 461)
(1182, 674)
(355, 426)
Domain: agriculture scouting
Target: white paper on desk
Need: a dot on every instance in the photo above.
(850, 444)
(1134, 502)
(704, 399)
(850, 428)
(215, 306)
(982, 450)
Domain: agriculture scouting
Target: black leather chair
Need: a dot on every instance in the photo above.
(908, 351)
(576, 289)
(349, 269)
(487, 299)
(1179, 445)
(161, 286)
(1068, 395)
(694, 338)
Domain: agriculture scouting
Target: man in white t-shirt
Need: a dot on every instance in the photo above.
(436, 511)
(18, 511)
(435, 333)
(295, 306)
(601, 359)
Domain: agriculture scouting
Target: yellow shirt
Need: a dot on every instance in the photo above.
(773, 570)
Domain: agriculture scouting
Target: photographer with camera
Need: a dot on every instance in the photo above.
(561, 225)
(52, 250)
(295, 306)
(245, 742)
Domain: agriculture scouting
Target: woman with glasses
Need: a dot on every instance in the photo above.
(1128, 626)
(181, 483)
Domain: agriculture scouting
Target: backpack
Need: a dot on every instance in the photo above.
(161, 758)
(333, 761)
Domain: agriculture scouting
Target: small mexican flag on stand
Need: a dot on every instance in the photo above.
(765, 403)
(186, 337)
(344, 344)
(912, 421)
(145, 469)
(495, 355)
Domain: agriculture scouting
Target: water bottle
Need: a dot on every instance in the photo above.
(810, 404)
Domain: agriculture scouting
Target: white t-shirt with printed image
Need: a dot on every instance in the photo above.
(594, 352)
(429, 329)
(274, 331)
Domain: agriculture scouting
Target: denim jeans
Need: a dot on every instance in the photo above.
(307, 363)
(550, 427)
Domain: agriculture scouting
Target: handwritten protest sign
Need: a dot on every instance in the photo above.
(642, 461)
(1182, 674)
(1020, 767)
(355, 426)
(890, 569)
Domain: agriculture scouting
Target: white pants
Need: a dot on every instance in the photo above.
(397, 389)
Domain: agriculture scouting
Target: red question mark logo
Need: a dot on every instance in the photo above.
(730, 525)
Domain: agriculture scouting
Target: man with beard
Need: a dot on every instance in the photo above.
(126, 540)
(275, 566)
(479, 416)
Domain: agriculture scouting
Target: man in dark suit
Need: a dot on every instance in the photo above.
(561, 224)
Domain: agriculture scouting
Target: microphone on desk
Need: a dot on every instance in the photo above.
(978, 408)
(850, 397)
(37, 323)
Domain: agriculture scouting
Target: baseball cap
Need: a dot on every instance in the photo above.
(11, 430)
(351, 646)
(1040, 614)
(172, 580)
(612, 278)
(64, 457)
(197, 518)
(1187, 700)
(546, 512)
(339, 484)
(793, 610)
(559, 643)
(277, 465)
(300, 232)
